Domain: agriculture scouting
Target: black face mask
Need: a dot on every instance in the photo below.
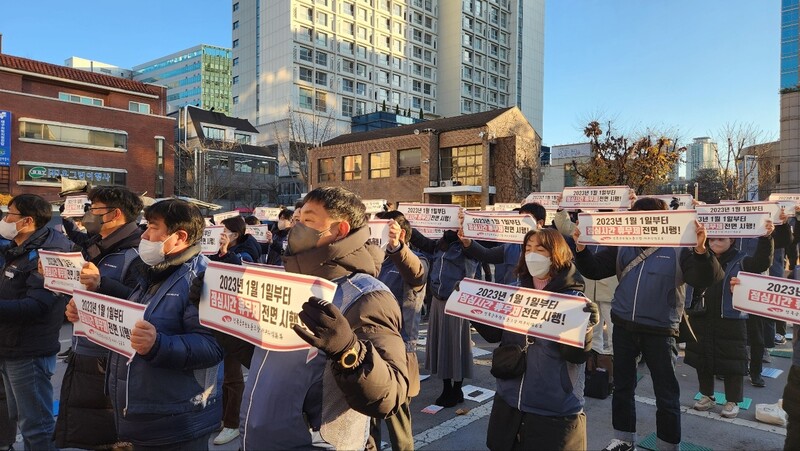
(302, 238)
(93, 223)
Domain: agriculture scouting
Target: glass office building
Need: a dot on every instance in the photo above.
(789, 39)
(199, 76)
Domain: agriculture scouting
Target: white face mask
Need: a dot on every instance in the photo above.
(8, 230)
(538, 264)
(152, 252)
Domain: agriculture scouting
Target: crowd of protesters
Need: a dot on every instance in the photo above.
(185, 384)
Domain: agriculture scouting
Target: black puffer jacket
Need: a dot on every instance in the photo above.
(721, 342)
(30, 315)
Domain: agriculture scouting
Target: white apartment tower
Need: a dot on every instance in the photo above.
(700, 154)
(328, 60)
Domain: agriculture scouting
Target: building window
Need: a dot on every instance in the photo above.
(214, 133)
(235, 43)
(361, 89)
(306, 74)
(348, 9)
(236, 7)
(236, 61)
(361, 107)
(570, 175)
(73, 135)
(159, 191)
(306, 98)
(463, 164)
(306, 54)
(321, 78)
(322, 39)
(347, 107)
(235, 79)
(236, 25)
(241, 138)
(322, 59)
(235, 100)
(139, 107)
(408, 162)
(347, 85)
(327, 171)
(321, 102)
(351, 167)
(379, 165)
(67, 97)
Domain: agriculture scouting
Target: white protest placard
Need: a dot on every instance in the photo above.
(431, 220)
(107, 321)
(503, 227)
(502, 207)
(551, 216)
(773, 208)
(596, 197)
(773, 297)
(74, 206)
(210, 241)
(260, 232)
(62, 270)
(374, 205)
(264, 265)
(684, 200)
(547, 200)
(728, 201)
(552, 316)
(379, 232)
(219, 217)
(787, 197)
(664, 228)
(266, 213)
(734, 225)
(258, 305)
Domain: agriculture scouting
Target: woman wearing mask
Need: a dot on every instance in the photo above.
(235, 245)
(721, 330)
(537, 406)
(279, 237)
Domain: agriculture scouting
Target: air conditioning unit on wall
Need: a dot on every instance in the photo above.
(446, 183)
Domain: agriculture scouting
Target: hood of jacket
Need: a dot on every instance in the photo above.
(341, 258)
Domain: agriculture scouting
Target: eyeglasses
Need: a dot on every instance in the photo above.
(89, 208)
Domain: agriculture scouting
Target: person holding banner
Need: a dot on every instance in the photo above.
(311, 400)
(167, 396)
(541, 407)
(721, 330)
(30, 319)
(405, 272)
(505, 256)
(646, 311)
(85, 416)
(449, 346)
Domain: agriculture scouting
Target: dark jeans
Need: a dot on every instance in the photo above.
(232, 390)
(659, 352)
(8, 429)
(734, 386)
(758, 328)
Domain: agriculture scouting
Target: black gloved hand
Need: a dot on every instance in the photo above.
(196, 289)
(594, 314)
(330, 330)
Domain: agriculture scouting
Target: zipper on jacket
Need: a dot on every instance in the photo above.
(519, 395)
(636, 293)
(441, 267)
(127, 388)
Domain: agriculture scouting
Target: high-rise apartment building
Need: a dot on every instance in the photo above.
(700, 154)
(199, 76)
(328, 60)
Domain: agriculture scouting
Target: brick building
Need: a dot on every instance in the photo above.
(62, 122)
(472, 160)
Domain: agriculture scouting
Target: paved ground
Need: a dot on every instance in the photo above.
(446, 430)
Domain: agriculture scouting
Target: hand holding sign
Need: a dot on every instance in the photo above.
(143, 337)
(396, 236)
(72, 312)
(90, 276)
(330, 330)
(701, 238)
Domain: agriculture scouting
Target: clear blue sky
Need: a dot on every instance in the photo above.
(685, 65)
